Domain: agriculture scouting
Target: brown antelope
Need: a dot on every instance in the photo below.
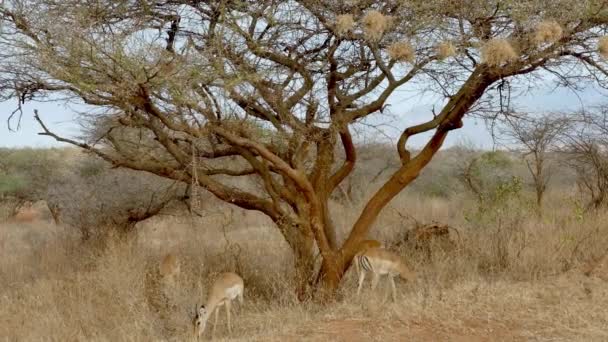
(363, 247)
(224, 290)
(169, 268)
(379, 262)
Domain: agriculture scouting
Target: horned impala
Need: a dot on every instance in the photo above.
(380, 261)
(224, 290)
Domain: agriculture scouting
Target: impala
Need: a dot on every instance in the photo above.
(224, 290)
(380, 262)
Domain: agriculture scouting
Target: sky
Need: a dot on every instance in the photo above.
(406, 109)
(57, 117)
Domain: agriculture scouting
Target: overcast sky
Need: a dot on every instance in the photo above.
(407, 108)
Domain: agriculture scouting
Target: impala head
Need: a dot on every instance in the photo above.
(169, 266)
(406, 273)
(199, 322)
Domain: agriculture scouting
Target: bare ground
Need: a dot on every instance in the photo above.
(570, 307)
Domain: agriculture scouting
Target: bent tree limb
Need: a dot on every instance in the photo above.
(451, 117)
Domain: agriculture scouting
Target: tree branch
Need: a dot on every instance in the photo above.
(349, 162)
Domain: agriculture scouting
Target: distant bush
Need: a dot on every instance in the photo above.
(99, 200)
(438, 179)
(26, 174)
(489, 176)
(10, 184)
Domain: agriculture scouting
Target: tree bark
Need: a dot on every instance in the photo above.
(301, 242)
(540, 191)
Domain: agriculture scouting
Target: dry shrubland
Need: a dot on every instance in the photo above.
(508, 273)
(270, 123)
(264, 109)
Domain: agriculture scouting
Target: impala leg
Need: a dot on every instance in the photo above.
(375, 280)
(228, 316)
(387, 289)
(361, 279)
(394, 289)
(217, 311)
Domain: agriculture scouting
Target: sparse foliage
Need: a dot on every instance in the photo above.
(26, 174)
(587, 152)
(536, 138)
(488, 176)
(101, 202)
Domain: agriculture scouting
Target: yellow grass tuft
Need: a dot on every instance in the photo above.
(344, 23)
(375, 24)
(445, 50)
(548, 31)
(602, 46)
(497, 52)
(401, 51)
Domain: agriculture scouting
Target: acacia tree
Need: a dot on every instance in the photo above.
(536, 137)
(268, 89)
(587, 152)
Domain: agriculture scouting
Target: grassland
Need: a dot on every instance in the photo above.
(513, 277)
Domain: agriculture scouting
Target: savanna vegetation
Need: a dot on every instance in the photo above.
(224, 133)
(532, 274)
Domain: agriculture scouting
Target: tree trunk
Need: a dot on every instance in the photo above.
(539, 200)
(301, 242)
(304, 266)
(55, 211)
(329, 278)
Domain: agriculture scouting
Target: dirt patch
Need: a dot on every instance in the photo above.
(361, 330)
(564, 308)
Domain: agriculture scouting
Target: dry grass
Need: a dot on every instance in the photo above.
(375, 24)
(344, 23)
(548, 31)
(401, 51)
(602, 46)
(512, 277)
(497, 52)
(446, 50)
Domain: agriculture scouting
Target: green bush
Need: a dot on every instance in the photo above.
(25, 174)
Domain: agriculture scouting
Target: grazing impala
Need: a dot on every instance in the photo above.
(169, 268)
(379, 262)
(363, 247)
(224, 290)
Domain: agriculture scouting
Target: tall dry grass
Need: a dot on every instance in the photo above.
(511, 272)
